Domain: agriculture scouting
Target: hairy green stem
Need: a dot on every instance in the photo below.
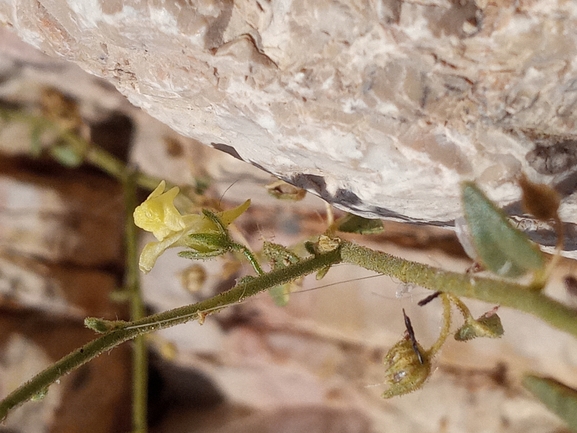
(500, 292)
(463, 309)
(504, 293)
(92, 153)
(249, 256)
(166, 319)
(137, 311)
(446, 329)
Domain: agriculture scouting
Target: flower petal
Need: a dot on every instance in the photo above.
(158, 190)
(158, 214)
(153, 250)
(230, 215)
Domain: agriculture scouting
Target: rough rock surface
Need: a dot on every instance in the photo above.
(381, 106)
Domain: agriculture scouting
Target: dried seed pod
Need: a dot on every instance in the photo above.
(408, 364)
(282, 190)
(539, 199)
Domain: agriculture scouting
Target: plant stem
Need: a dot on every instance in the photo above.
(463, 309)
(501, 292)
(92, 153)
(446, 329)
(139, 351)
(163, 320)
(249, 256)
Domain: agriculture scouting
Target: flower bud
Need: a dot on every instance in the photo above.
(408, 367)
(488, 325)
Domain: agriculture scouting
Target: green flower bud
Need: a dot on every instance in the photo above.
(405, 371)
(488, 325)
(408, 365)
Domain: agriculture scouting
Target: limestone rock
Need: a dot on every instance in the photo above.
(380, 107)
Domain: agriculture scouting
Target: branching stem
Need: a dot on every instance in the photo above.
(500, 292)
(162, 320)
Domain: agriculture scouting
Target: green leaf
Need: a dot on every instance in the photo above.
(279, 255)
(35, 142)
(501, 248)
(66, 155)
(559, 398)
(207, 242)
(280, 294)
(355, 224)
(322, 272)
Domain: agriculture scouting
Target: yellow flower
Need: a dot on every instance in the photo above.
(158, 213)
(159, 216)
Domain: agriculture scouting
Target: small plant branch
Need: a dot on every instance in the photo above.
(501, 292)
(446, 329)
(463, 309)
(249, 257)
(137, 312)
(91, 153)
(128, 330)
(486, 289)
(502, 249)
(234, 246)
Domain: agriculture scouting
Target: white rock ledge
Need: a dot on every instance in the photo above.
(380, 106)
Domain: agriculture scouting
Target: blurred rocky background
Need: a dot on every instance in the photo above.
(381, 107)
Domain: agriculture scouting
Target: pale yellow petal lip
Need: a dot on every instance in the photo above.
(230, 215)
(153, 250)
